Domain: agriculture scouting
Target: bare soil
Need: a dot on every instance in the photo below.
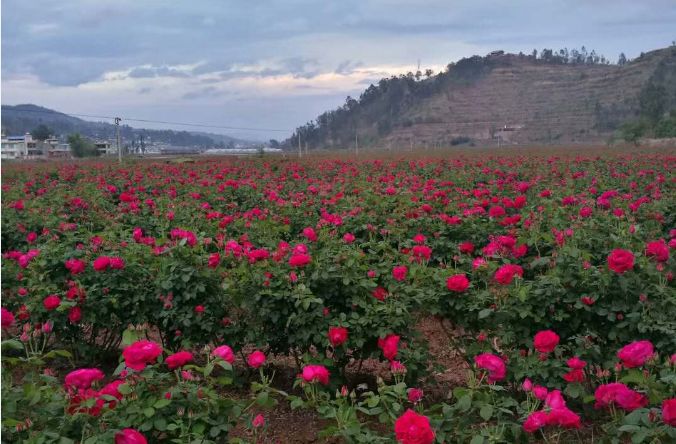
(283, 425)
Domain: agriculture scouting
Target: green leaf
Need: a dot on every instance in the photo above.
(373, 401)
(160, 424)
(208, 369)
(161, 403)
(296, 403)
(540, 262)
(13, 344)
(199, 429)
(589, 398)
(573, 390)
(477, 439)
(262, 398)
(465, 403)
(633, 377)
(486, 412)
(129, 337)
(485, 313)
(639, 436)
(633, 418)
(149, 412)
(224, 364)
(63, 353)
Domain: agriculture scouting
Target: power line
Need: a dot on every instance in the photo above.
(558, 117)
(130, 119)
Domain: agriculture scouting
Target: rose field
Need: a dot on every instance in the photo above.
(471, 297)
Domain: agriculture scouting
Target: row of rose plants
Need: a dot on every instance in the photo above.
(333, 262)
(180, 397)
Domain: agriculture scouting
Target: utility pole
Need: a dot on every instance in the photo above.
(300, 148)
(117, 131)
(356, 144)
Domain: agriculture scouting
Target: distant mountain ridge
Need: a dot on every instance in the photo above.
(20, 119)
(513, 98)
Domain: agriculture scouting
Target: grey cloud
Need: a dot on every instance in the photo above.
(347, 67)
(156, 71)
(300, 66)
(233, 39)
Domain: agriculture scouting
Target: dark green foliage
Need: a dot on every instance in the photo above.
(633, 131)
(653, 101)
(81, 146)
(460, 140)
(41, 132)
(666, 127)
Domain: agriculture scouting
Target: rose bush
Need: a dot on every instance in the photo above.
(556, 269)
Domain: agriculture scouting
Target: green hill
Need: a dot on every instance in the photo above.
(556, 97)
(21, 119)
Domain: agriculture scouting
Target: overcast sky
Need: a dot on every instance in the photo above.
(278, 64)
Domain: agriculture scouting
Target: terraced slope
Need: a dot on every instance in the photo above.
(538, 102)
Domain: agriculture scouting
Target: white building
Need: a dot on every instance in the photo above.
(105, 148)
(56, 149)
(20, 147)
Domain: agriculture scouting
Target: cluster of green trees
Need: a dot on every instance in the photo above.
(657, 117)
(81, 146)
(574, 57)
(378, 110)
(635, 130)
(41, 132)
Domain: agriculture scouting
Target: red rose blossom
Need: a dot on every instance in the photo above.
(83, 378)
(412, 428)
(178, 359)
(299, 260)
(140, 353)
(507, 272)
(51, 302)
(130, 436)
(619, 394)
(315, 373)
(389, 345)
(457, 283)
(545, 341)
(669, 412)
(636, 353)
(399, 272)
(658, 250)
(7, 318)
(225, 353)
(620, 261)
(101, 263)
(256, 359)
(337, 336)
(493, 364)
